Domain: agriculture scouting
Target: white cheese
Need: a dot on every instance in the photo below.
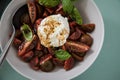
(53, 31)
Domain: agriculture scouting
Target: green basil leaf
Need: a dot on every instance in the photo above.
(67, 6)
(27, 32)
(73, 0)
(70, 9)
(49, 3)
(75, 15)
(62, 55)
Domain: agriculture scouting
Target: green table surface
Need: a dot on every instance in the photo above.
(107, 65)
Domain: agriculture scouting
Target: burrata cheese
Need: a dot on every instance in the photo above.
(53, 31)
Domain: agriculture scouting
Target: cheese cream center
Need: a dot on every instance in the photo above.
(53, 31)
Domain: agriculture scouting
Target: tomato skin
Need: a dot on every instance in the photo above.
(32, 10)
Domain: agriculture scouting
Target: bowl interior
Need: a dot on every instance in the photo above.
(90, 14)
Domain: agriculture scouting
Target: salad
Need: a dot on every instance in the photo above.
(51, 33)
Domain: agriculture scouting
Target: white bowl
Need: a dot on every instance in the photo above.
(90, 14)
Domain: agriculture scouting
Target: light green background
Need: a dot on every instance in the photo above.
(107, 65)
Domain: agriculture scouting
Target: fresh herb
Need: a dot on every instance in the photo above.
(67, 6)
(27, 32)
(75, 15)
(49, 3)
(70, 9)
(73, 0)
(62, 55)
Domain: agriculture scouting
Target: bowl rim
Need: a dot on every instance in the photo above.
(102, 41)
